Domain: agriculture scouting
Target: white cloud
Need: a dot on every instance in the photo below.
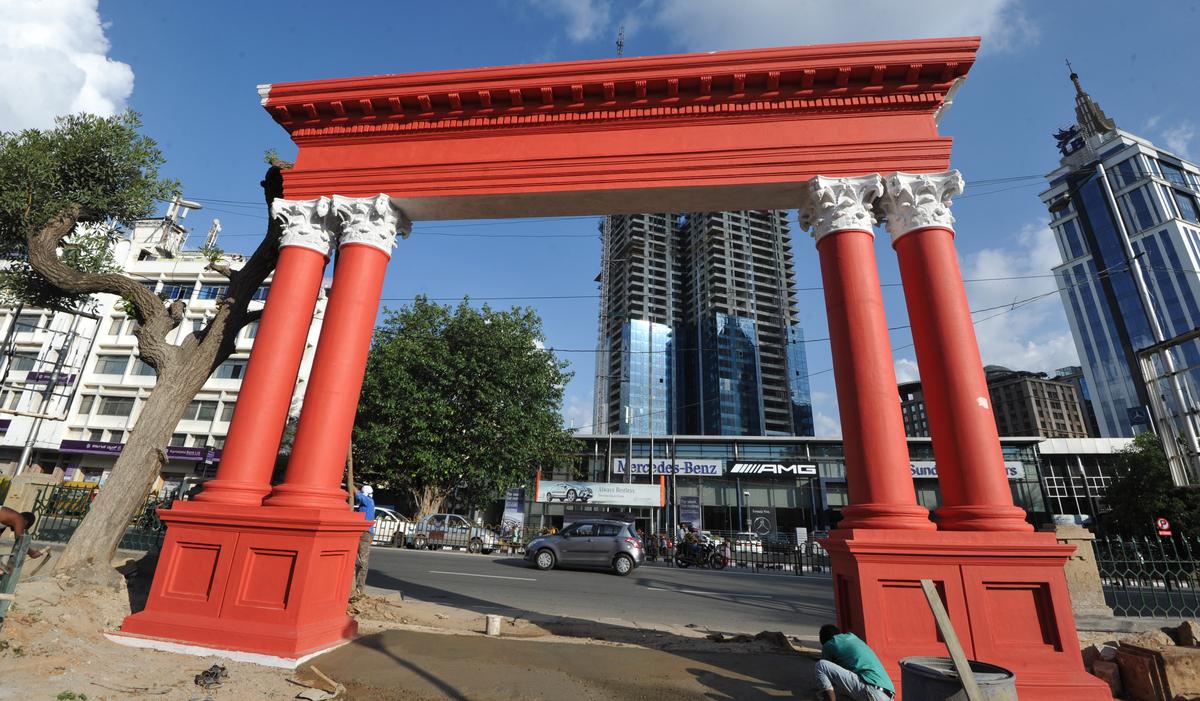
(710, 25)
(585, 19)
(1035, 336)
(53, 61)
(826, 426)
(577, 413)
(1178, 138)
(906, 370)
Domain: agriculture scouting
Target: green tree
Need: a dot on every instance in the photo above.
(63, 195)
(459, 401)
(1141, 490)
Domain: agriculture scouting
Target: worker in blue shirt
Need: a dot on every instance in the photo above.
(364, 496)
(849, 669)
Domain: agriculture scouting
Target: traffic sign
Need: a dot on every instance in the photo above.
(1163, 526)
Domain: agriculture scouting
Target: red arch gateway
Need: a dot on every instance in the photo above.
(251, 566)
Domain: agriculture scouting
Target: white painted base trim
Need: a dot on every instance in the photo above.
(200, 651)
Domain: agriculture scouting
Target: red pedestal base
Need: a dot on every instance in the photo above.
(269, 580)
(1005, 592)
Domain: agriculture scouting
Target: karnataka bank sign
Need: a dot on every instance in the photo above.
(1015, 470)
(683, 468)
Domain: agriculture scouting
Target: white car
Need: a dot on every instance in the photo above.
(747, 542)
(391, 528)
(451, 530)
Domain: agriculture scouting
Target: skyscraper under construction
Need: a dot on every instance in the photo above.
(699, 332)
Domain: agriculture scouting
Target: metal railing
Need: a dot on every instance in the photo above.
(1151, 577)
(767, 552)
(60, 510)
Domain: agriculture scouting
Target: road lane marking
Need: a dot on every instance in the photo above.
(716, 593)
(489, 576)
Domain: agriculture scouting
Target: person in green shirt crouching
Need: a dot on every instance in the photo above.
(848, 669)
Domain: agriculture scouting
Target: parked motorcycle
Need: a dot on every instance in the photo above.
(702, 555)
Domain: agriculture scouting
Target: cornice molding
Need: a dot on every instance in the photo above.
(871, 75)
(373, 221)
(921, 201)
(840, 204)
(305, 223)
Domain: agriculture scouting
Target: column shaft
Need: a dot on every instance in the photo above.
(876, 450)
(314, 472)
(248, 458)
(971, 473)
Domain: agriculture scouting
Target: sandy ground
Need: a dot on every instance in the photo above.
(52, 645)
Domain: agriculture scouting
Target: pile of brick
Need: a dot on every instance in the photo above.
(1159, 665)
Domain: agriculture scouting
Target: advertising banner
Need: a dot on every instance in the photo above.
(683, 468)
(608, 493)
(514, 510)
(1015, 469)
(174, 452)
(762, 519)
(689, 511)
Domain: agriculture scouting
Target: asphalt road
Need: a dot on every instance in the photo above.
(650, 597)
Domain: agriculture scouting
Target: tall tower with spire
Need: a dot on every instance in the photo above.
(1126, 216)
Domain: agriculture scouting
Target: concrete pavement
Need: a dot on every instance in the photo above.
(401, 665)
(651, 597)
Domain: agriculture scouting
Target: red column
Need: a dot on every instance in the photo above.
(974, 484)
(314, 473)
(877, 461)
(244, 474)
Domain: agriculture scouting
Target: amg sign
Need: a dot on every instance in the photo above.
(772, 468)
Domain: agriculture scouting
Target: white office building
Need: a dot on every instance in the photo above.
(72, 385)
(1127, 221)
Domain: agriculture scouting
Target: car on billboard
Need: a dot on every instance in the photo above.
(567, 492)
(604, 544)
(454, 531)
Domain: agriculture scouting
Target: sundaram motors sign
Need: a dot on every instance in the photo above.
(682, 468)
(1014, 469)
(605, 493)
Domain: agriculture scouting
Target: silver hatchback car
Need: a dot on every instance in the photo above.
(612, 545)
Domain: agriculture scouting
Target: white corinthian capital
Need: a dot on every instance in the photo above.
(839, 204)
(920, 201)
(306, 223)
(374, 221)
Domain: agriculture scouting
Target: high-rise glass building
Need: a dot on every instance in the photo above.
(698, 327)
(1125, 215)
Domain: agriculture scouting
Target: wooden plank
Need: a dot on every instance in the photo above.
(961, 664)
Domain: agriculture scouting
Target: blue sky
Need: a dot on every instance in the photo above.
(190, 69)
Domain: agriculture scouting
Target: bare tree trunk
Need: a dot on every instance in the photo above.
(429, 501)
(88, 555)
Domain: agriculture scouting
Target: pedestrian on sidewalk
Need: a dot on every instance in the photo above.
(652, 548)
(848, 669)
(364, 496)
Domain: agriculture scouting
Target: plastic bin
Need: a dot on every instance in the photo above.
(935, 679)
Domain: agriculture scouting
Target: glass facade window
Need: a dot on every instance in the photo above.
(261, 293)
(646, 396)
(175, 290)
(213, 291)
(115, 406)
(111, 364)
(230, 370)
(141, 369)
(1185, 204)
(200, 410)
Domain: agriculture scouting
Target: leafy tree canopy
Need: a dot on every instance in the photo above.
(1141, 490)
(459, 401)
(103, 166)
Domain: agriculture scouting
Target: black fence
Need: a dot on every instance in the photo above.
(1151, 577)
(60, 510)
(754, 552)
